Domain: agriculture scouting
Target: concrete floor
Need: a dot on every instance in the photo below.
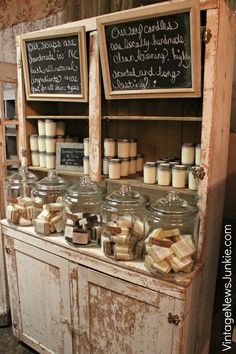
(10, 344)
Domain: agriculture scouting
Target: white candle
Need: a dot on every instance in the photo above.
(123, 148)
(86, 165)
(86, 146)
(41, 127)
(139, 166)
(187, 154)
(109, 147)
(125, 167)
(34, 142)
(105, 162)
(179, 176)
(164, 174)
(50, 160)
(192, 182)
(50, 143)
(149, 172)
(50, 127)
(133, 148)
(198, 154)
(35, 158)
(42, 159)
(114, 167)
(42, 143)
(132, 165)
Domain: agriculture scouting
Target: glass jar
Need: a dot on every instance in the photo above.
(34, 142)
(140, 162)
(86, 147)
(50, 127)
(187, 154)
(124, 215)
(105, 163)
(133, 147)
(198, 154)
(114, 168)
(50, 143)
(60, 128)
(173, 235)
(82, 213)
(109, 147)
(179, 176)
(164, 174)
(18, 187)
(192, 180)
(42, 159)
(86, 165)
(132, 165)
(123, 148)
(149, 173)
(125, 167)
(47, 199)
(50, 160)
(35, 158)
(41, 127)
(42, 143)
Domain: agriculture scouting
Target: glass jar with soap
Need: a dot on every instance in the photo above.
(18, 187)
(82, 213)
(173, 235)
(124, 214)
(47, 198)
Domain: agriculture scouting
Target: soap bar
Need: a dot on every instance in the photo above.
(171, 233)
(157, 234)
(81, 237)
(164, 242)
(182, 249)
(58, 223)
(159, 253)
(42, 226)
(24, 201)
(178, 265)
(24, 222)
(123, 256)
(189, 239)
(108, 247)
(162, 267)
(54, 207)
(122, 249)
(29, 212)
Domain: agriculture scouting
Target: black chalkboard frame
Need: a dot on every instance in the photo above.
(147, 12)
(71, 146)
(57, 33)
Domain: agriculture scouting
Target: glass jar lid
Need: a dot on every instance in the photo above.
(52, 182)
(86, 188)
(173, 205)
(126, 197)
(23, 175)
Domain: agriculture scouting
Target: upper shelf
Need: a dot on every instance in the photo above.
(119, 117)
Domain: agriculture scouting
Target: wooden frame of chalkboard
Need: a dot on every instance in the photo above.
(144, 56)
(69, 156)
(64, 77)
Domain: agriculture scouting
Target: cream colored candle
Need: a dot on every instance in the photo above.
(187, 154)
(50, 143)
(123, 148)
(42, 143)
(50, 127)
(164, 174)
(35, 158)
(60, 128)
(109, 147)
(86, 147)
(179, 176)
(125, 167)
(50, 160)
(34, 142)
(149, 172)
(198, 154)
(42, 159)
(192, 181)
(133, 147)
(41, 127)
(132, 165)
(139, 166)
(114, 167)
(105, 162)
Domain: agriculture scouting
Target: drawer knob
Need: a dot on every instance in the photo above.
(174, 319)
(199, 173)
(8, 250)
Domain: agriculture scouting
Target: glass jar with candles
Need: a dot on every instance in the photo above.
(18, 187)
(47, 198)
(139, 166)
(86, 147)
(124, 228)
(114, 168)
(105, 162)
(133, 147)
(34, 142)
(42, 143)
(187, 154)
(109, 147)
(123, 148)
(82, 213)
(50, 127)
(179, 176)
(132, 165)
(164, 174)
(192, 180)
(149, 172)
(41, 127)
(125, 167)
(173, 236)
(50, 160)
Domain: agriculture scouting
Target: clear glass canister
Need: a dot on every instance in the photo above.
(18, 187)
(47, 199)
(124, 214)
(82, 213)
(173, 235)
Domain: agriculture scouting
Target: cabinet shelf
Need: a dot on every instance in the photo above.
(57, 117)
(60, 172)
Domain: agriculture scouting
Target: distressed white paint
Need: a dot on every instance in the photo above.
(4, 300)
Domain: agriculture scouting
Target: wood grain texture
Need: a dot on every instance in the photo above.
(94, 110)
(4, 297)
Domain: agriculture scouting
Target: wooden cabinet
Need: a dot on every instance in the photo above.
(39, 297)
(119, 317)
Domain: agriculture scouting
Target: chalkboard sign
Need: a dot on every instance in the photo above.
(55, 66)
(69, 156)
(152, 51)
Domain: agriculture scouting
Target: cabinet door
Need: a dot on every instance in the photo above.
(39, 297)
(117, 317)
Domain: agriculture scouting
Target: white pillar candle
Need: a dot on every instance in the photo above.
(41, 127)
(50, 127)
(133, 148)
(35, 158)
(50, 143)
(164, 174)
(149, 172)
(86, 165)
(50, 160)
(187, 154)
(34, 142)
(179, 176)
(109, 147)
(42, 159)
(123, 148)
(42, 143)
(114, 167)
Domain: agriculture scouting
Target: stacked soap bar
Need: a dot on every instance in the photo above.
(21, 212)
(169, 250)
(82, 228)
(50, 219)
(123, 240)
